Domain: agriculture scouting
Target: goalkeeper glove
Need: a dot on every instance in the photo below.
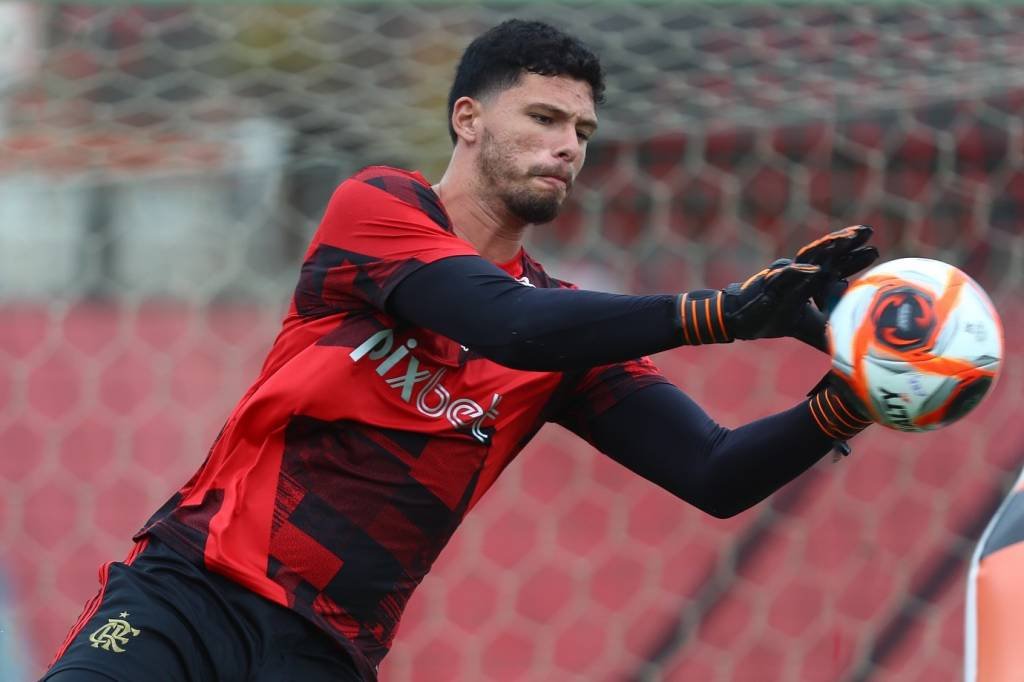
(839, 254)
(773, 303)
(837, 411)
(776, 301)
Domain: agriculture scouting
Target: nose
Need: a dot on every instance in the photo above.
(568, 148)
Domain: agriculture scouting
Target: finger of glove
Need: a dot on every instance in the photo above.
(826, 250)
(827, 295)
(792, 281)
(758, 277)
(788, 294)
(810, 328)
(768, 295)
(855, 261)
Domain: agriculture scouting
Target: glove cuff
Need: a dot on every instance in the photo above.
(835, 416)
(702, 317)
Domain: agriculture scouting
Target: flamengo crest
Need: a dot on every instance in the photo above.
(114, 635)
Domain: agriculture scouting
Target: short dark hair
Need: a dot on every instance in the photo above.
(495, 60)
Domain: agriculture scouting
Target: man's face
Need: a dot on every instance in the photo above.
(534, 142)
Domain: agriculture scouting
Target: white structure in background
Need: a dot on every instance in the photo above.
(12, 645)
(39, 227)
(43, 234)
(19, 46)
(197, 228)
(187, 215)
(188, 219)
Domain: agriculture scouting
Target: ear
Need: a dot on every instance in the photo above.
(466, 119)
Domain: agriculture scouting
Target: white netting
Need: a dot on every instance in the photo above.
(162, 166)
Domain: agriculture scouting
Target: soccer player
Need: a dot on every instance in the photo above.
(422, 351)
(995, 593)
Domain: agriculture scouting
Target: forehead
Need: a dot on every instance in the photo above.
(563, 92)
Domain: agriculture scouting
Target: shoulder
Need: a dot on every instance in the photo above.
(407, 187)
(385, 175)
(410, 187)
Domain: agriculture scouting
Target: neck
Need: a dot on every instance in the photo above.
(480, 220)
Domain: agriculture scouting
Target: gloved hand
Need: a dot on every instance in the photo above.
(837, 410)
(839, 254)
(776, 302)
(773, 303)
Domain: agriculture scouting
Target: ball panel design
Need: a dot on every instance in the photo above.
(918, 341)
(903, 318)
(977, 333)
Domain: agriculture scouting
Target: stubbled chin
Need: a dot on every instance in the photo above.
(535, 207)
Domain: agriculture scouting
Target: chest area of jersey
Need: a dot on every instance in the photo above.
(439, 384)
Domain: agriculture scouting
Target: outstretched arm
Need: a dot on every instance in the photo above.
(468, 299)
(661, 434)
(472, 301)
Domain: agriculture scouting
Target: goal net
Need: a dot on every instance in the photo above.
(163, 166)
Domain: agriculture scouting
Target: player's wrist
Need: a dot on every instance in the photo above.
(702, 317)
(839, 415)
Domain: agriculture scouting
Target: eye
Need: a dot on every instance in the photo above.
(583, 137)
(542, 119)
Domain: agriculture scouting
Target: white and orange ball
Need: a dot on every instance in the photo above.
(919, 342)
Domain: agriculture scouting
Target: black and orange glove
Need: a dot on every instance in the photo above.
(835, 407)
(837, 411)
(840, 255)
(776, 302)
(773, 303)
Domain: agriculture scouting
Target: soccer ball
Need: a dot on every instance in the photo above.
(918, 341)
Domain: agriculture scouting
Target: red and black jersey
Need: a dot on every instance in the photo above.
(346, 467)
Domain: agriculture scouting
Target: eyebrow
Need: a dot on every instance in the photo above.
(584, 122)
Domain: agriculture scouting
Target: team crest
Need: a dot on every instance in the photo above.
(114, 635)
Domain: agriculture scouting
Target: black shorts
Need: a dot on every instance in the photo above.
(160, 617)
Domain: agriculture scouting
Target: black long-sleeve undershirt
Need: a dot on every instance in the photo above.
(661, 434)
(476, 303)
(657, 431)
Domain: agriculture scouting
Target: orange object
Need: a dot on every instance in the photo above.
(995, 597)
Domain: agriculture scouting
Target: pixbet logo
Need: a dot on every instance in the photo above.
(432, 399)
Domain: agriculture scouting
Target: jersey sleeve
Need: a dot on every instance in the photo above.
(597, 389)
(601, 388)
(380, 225)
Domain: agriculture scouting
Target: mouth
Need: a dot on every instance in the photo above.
(555, 181)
